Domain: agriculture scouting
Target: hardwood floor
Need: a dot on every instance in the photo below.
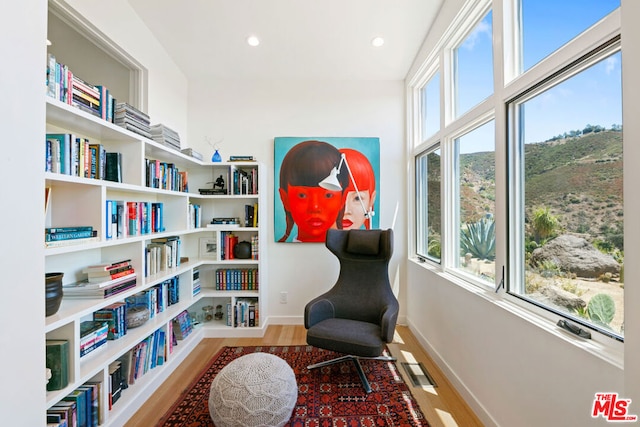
(441, 405)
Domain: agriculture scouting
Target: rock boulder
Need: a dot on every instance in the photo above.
(574, 254)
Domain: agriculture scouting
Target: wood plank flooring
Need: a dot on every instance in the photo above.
(441, 405)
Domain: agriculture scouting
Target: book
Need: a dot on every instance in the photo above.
(191, 152)
(71, 242)
(54, 230)
(57, 359)
(67, 410)
(116, 273)
(89, 291)
(105, 283)
(106, 266)
(92, 394)
(242, 159)
(93, 335)
(113, 169)
(70, 235)
(78, 397)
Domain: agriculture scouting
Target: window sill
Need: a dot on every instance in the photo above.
(602, 347)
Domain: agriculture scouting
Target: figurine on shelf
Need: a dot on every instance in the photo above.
(219, 184)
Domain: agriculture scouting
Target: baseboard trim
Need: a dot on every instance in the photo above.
(477, 407)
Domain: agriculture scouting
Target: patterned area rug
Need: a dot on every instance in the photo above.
(327, 397)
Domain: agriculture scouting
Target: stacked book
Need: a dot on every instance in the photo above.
(165, 136)
(64, 236)
(132, 119)
(93, 335)
(191, 152)
(103, 281)
(116, 316)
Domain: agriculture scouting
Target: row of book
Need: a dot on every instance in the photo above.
(130, 118)
(234, 181)
(244, 313)
(243, 181)
(130, 218)
(166, 176)
(157, 298)
(162, 254)
(237, 279)
(68, 154)
(66, 87)
(251, 215)
(195, 216)
(80, 408)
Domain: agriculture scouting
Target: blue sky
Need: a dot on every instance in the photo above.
(592, 97)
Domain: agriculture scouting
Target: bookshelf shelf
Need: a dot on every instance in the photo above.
(82, 201)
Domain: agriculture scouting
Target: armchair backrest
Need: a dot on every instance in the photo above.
(362, 289)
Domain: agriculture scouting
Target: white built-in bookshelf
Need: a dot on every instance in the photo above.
(81, 201)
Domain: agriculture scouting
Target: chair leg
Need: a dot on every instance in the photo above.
(356, 362)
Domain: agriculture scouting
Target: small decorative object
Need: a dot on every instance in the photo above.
(242, 250)
(219, 315)
(208, 247)
(53, 292)
(219, 184)
(216, 157)
(257, 389)
(208, 313)
(137, 316)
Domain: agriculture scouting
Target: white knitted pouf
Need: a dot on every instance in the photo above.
(257, 389)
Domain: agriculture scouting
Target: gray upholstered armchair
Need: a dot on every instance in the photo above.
(358, 315)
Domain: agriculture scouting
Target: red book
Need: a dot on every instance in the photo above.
(96, 279)
(106, 267)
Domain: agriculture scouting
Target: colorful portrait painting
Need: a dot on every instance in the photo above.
(314, 190)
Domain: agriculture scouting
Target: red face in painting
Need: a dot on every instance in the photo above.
(313, 209)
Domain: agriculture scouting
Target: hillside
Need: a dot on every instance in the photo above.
(578, 178)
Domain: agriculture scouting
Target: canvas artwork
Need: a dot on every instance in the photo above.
(323, 183)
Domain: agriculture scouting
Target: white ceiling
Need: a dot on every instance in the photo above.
(300, 39)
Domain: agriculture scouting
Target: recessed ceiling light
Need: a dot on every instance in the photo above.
(253, 41)
(377, 42)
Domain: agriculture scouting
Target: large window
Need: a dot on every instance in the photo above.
(543, 31)
(429, 169)
(567, 145)
(476, 183)
(473, 67)
(430, 105)
(523, 182)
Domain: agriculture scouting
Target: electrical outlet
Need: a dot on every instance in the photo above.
(283, 297)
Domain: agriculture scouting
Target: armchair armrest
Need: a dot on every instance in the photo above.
(318, 310)
(388, 322)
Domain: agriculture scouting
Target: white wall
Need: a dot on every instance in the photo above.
(514, 370)
(22, 376)
(247, 115)
(167, 88)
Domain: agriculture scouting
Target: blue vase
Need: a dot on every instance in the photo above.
(216, 157)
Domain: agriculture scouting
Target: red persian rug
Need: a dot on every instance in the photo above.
(327, 397)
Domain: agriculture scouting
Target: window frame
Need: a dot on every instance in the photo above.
(509, 83)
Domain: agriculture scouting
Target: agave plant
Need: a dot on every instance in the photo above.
(479, 239)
